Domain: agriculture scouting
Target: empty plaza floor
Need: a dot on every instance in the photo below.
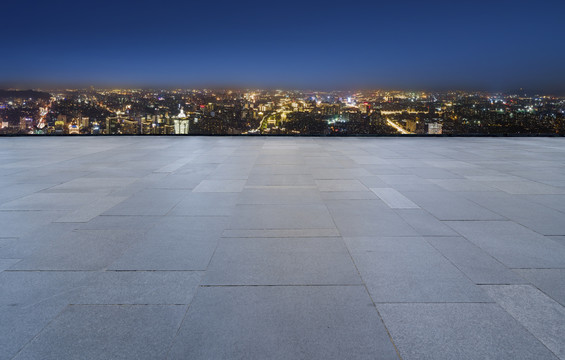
(282, 248)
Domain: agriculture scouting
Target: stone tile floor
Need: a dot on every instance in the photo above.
(282, 248)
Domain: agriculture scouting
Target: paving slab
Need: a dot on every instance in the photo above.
(408, 269)
(277, 233)
(50, 201)
(92, 210)
(281, 322)
(474, 262)
(348, 195)
(31, 288)
(149, 202)
(276, 195)
(148, 232)
(80, 250)
(125, 222)
(107, 332)
(425, 223)
(282, 261)
(289, 216)
(12, 190)
(139, 288)
(206, 204)
(450, 206)
(459, 331)
(550, 281)
(537, 217)
(538, 313)
(337, 174)
(90, 184)
(227, 186)
(24, 246)
(7, 263)
(394, 199)
(20, 324)
(367, 218)
(21, 223)
(512, 244)
(176, 243)
(281, 180)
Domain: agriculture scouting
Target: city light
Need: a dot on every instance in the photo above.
(277, 112)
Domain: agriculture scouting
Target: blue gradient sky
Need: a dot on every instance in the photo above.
(486, 45)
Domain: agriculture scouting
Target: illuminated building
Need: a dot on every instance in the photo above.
(181, 123)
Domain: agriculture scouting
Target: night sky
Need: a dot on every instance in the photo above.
(479, 45)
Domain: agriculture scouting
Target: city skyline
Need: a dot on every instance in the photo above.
(277, 112)
(436, 45)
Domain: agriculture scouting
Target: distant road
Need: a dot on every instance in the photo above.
(399, 128)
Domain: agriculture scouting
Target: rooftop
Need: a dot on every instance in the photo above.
(282, 248)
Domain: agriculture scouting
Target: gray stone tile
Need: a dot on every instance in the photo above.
(339, 174)
(449, 206)
(177, 229)
(121, 222)
(145, 182)
(20, 324)
(140, 287)
(408, 269)
(277, 158)
(20, 223)
(433, 173)
(90, 184)
(512, 244)
(395, 180)
(175, 165)
(537, 217)
(558, 239)
(370, 160)
(424, 223)
(372, 181)
(7, 263)
(229, 186)
(107, 332)
(178, 182)
(386, 169)
(92, 210)
(80, 250)
(175, 243)
(550, 281)
(542, 316)
(474, 262)
(302, 322)
(552, 201)
(526, 187)
(149, 202)
(282, 261)
(231, 171)
(281, 180)
(19, 248)
(271, 196)
(12, 191)
(462, 185)
(278, 233)
(292, 216)
(367, 218)
(416, 187)
(348, 195)
(206, 204)
(459, 331)
(394, 199)
(29, 289)
(50, 201)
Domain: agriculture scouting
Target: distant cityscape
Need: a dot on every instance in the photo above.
(276, 112)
